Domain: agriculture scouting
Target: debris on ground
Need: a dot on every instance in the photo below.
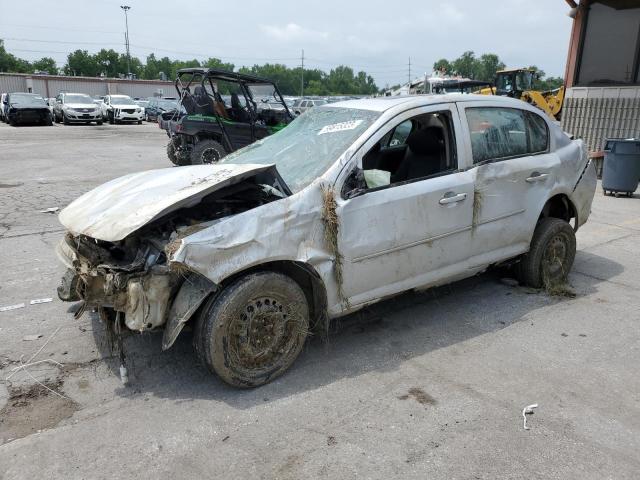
(6, 308)
(419, 396)
(30, 410)
(528, 410)
(40, 300)
(50, 210)
(31, 338)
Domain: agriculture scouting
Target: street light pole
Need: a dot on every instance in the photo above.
(126, 38)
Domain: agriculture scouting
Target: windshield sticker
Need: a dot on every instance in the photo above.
(340, 127)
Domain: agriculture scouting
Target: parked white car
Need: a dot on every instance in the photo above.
(351, 203)
(303, 104)
(121, 108)
(76, 108)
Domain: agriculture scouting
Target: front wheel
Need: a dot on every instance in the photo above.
(253, 331)
(65, 120)
(553, 249)
(207, 152)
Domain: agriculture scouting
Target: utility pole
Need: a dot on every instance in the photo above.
(302, 75)
(126, 8)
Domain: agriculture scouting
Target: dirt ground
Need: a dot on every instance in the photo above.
(426, 385)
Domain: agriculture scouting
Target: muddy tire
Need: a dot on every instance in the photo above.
(553, 249)
(171, 153)
(207, 152)
(253, 331)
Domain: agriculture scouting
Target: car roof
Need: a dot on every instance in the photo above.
(381, 104)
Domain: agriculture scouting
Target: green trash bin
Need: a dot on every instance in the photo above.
(621, 169)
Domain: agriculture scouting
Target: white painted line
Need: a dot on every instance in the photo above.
(11, 307)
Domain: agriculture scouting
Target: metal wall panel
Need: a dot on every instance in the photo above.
(12, 83)
(50, 86)
(597, 113)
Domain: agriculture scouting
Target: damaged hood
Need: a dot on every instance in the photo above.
(117, 208)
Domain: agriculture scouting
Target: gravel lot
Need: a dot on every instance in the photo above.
(428, 385)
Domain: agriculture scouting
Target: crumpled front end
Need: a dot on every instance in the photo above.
(129, 277)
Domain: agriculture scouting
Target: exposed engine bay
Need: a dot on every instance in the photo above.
(135, 278)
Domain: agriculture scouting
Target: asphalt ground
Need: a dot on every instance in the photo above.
(426, 385)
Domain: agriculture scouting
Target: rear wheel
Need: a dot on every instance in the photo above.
(207, 152)
(253, 330)
(553, 249)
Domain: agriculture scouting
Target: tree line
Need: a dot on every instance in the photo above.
(485, 67)
(341, 80)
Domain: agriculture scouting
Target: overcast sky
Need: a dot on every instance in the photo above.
(376, 36)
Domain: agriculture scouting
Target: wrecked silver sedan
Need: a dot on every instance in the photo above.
(351, 203)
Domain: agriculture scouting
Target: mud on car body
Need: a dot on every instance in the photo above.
(303, 226)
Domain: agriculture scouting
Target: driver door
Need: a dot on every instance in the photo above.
(402, 236)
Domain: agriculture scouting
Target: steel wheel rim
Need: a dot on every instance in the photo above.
(555, 256)
(263, 334)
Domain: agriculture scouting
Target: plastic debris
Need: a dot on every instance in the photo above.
(528, 410)
(50, 210)
(6, 308)
(30, 338)
(40, 300)
(124, 375)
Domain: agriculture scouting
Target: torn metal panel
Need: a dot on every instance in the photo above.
(194, 290)
(117, 208)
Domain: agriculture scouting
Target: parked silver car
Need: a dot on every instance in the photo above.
(349, 204)
(76, 108)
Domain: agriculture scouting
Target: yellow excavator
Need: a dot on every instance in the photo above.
(518, 83)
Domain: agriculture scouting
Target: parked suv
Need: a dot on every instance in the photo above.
(121, 108)
(157, 106)
(76, 108)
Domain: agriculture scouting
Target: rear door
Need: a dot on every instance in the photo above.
(514, 173)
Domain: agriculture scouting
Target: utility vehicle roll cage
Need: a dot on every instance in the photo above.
(188, 77)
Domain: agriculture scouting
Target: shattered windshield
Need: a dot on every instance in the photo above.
(309, 145)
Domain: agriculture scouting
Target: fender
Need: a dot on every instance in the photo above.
(194, 290)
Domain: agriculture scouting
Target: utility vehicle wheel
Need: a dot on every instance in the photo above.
(253, 330)
(12, 121)
(48, 121)
(65, 120)
(207, 151)
(171, 153)
(553, 249)
(56, 118)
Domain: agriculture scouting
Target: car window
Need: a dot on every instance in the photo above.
(400, 134)
(427, 150)
(497, 132)
(538, 133)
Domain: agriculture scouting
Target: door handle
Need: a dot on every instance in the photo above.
(537, 177)
(450, 197)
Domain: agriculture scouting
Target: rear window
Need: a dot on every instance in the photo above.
(498, 133)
